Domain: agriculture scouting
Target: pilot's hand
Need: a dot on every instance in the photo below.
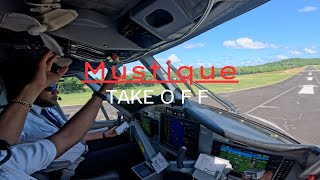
(267, 175)
(43, 76)
(110, 133)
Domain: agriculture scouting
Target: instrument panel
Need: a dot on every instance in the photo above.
(172, 128)
(243, 159)
(178, 129)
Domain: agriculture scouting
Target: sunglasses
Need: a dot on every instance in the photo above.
(52, 87)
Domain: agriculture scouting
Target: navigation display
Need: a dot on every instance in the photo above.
(243, 160)
(149, 126)
(177, 131)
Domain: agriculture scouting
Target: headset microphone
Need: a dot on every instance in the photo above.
(59, 98)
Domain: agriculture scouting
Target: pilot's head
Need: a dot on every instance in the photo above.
(48, 97)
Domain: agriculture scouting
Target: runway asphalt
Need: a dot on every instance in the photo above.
(293, 104)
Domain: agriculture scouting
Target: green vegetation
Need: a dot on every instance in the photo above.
(83, 97)
(245, 81)
(71, 85)
(74, 92)
(269, 67)
(251, 80)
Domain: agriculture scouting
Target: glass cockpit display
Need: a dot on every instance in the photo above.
(178, 130)
(149, 126)
(241, 160)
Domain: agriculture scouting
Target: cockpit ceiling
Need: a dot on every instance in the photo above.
(108, 8)
(117, 8)
(128, 28)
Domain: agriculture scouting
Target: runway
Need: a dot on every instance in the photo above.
(293, 104)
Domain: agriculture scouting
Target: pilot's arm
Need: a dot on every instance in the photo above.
(100, 134)
(77, 127)
(13, 117)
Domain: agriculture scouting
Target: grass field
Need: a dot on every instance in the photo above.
(245, 81)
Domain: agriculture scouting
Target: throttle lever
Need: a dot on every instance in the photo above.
(181, 154)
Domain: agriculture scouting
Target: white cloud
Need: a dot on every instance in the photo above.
(280, 57)
(200, 64)
(191, 46)
(247, 43)
(160, 60)
(307, 9)
(252, 62)
(174, 58)
(295, 52)
(310, 51)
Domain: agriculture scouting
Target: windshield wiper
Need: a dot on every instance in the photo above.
(225, 103)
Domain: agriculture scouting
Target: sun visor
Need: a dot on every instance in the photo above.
(50, 21)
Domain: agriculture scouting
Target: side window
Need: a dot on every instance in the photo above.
(74, 95)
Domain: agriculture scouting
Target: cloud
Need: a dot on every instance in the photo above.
(309, 51)
(191, 46)
(307, 9)
(160, 59)
(200, 64)
(247, 43)
(295, 52)
(280, 57)
(174, 58)
(252, 62)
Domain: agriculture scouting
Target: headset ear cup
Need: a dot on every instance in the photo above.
(4, 145)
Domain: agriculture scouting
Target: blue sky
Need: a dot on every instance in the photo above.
(279, 29)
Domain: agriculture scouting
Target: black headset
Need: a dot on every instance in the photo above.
(5, 146)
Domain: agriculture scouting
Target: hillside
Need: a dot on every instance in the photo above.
(268, 67)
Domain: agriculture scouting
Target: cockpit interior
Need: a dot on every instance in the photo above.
(120, 32)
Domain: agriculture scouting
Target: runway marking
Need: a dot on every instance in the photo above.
(270, 100)
(307, 89)
(309, 78)
(270, 107)
(316, 78)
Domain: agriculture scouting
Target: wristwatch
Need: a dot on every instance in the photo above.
(100, 95)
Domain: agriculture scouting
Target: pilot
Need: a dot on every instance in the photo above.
(29, 158)
(104, 152)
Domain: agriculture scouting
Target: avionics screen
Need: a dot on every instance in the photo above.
(242, 160)
(176, 132)
(149, 126)
(175, 136)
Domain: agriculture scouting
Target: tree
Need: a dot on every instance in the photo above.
(71, 85)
